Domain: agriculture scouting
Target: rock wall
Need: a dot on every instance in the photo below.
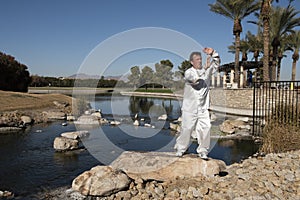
(232, 98)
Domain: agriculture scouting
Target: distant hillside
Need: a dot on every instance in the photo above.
(86, 76)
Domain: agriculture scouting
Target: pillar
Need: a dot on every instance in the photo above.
(218, 79)
(242, 77)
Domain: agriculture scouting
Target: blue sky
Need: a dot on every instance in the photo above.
(55, 38)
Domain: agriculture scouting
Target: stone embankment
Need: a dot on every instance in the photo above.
(14, 121)
(274, 176)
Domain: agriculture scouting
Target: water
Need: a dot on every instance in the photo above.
(29, 163)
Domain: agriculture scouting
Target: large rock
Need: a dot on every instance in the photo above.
(75, 134)
(64, 144)
(163, 166)
(230, 126)
(100, 181)
(26, 119)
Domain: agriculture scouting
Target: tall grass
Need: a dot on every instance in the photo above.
(282, 130)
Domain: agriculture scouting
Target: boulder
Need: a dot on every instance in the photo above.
(227, 127)
(75, 134)
(164, 166)
(175, 127)
(97, 114)
(64, 144)
(26, 119)
(100, 181)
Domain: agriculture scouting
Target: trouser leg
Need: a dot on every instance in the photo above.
(187, 126)
(203, 126)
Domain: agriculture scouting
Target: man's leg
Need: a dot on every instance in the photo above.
(203, 132)
(187, 126)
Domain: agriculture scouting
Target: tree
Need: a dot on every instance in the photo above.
(276, 23)
(265, 12)
(294, 40)
(282, 21)
(163, 73)
(184, 66)
(146, 76)
(235, 10)
(14, 76)
(255, 44)
(134, 77)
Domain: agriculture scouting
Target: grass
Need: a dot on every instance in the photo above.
(10, 101)
(280, 138)
(282, 131)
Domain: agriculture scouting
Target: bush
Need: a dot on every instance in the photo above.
(282, 130)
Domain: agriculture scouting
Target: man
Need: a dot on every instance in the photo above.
(195, 115)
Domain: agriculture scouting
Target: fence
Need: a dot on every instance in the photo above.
(275, 100)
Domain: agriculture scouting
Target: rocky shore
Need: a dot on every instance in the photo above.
(274, 176)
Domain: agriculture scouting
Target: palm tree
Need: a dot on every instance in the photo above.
(283, 21)
(255, 44)
(235, 10)
(265, 16)
(294, 40)
(284, 46)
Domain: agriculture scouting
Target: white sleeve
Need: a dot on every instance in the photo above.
(214, 65)
(190, 76)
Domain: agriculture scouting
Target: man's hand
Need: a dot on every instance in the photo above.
(208, 50)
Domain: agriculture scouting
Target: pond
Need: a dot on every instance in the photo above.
(29, 163)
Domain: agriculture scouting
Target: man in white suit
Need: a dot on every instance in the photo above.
(195, 115)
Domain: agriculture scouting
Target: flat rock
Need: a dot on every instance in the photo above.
(55, 115)
(87, 119)
(75, 134)
(163, 166)
(100, 181)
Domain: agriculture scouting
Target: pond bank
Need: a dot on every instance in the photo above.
(275, 176)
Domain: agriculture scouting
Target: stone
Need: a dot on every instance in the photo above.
(175, 127)
(163, 117)
(100, 181)
(97, 114)
(53, 115)
(65, 144)
(136, 123)
(227, 127)
(87, 120)
(163, 166)
(71, 118)
(26, 119)
(10, 129)
(115, 123)
(75, 134)
(244, 119)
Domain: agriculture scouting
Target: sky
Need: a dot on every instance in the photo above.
(59, 37)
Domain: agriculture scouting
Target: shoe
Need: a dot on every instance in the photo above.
(203, 155)
(179, 153)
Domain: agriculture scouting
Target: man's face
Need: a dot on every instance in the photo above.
(196, 62)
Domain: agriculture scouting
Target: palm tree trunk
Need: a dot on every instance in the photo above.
(294, 70)
(295, 59)
(265, 12)
(278, 68)
(237, 58)
(274, 63)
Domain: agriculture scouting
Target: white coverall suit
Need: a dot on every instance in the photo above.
(195, 114)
